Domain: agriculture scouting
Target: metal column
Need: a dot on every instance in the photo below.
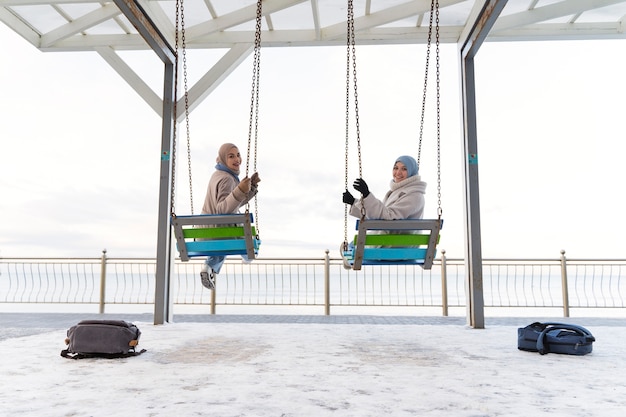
(470, 43)
(149, 31)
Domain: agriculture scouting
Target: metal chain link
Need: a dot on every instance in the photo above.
(439, 209)
(351, 58)
(347, 132)
(180, 34)
(184, 49)
(428, 43)
(434, 13)
(175, 110)
(254, 107)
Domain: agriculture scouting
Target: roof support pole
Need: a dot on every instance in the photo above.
(164, 261)
(469, 44)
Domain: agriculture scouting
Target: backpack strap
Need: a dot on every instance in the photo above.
(561, 326)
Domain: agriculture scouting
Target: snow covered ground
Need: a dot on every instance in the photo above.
(245, 365)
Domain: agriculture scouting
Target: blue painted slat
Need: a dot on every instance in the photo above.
(218, 245)
(393, 262)
(215, 253)
(390, 254)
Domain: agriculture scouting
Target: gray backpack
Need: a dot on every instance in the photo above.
(102, 339)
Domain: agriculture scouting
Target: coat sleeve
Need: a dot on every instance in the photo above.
(228, 197)
(404, 207)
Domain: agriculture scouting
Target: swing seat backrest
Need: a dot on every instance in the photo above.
(390, 242)
(215, 235)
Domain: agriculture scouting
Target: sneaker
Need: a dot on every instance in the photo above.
(346, 262)
(208, 279)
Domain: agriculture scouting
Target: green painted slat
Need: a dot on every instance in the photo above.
(215, 232)
(395, 240)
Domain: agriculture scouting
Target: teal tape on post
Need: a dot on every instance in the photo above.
(473, 159)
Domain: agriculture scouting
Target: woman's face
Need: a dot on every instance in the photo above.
(233, 159)
(400, 172)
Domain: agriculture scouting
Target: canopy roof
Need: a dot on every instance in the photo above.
(101, 26)
(83, 25)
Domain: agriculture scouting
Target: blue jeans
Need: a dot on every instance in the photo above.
(216, 262)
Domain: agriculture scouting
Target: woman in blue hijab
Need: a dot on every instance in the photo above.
(404, 200)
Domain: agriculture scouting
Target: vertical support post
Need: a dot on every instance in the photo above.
(137, 16)
(444, 284)
(103, 281)
(473, 248)
(162, 299)
(483, 17)
(327, 283)
(564, 285)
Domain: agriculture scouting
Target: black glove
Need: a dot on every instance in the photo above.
(348, 198)
(361, 186)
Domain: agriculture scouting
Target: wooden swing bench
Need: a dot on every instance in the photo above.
(215, 235)
(402, 242)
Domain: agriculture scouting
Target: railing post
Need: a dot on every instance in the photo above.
(327, 283)
(103, 278)
(213, 297)
(564, 287)
(444, 284)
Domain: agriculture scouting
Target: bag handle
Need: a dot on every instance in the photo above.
(561, 326)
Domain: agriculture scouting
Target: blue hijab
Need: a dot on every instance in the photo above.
(410, 163)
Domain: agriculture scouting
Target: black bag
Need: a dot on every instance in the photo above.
(564, 338)
(102, 339)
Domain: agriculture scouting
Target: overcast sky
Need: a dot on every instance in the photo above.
(79, 166)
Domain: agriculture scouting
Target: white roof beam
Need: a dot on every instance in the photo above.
(238, 17)
(315, 9)
(561, 31)
(214, 77)
(91, 19)
(383, 17)
(210, 8)
(549, 12)
(131, 77)
(25, 30)
(44, 2)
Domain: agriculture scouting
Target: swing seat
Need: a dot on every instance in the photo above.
(215, 235)
(402, 242)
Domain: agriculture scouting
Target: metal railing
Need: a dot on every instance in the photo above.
(539, 283)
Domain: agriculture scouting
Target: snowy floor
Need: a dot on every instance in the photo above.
(349, 367)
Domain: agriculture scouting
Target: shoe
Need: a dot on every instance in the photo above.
(346, 262)
(208, 279)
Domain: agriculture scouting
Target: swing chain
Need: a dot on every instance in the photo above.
(428, 44)
(180, 33)
(184, 49)
(175, 111)
(351, 53)
(439, 209)
(254, 105)
(351, 58)
(434, 13)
